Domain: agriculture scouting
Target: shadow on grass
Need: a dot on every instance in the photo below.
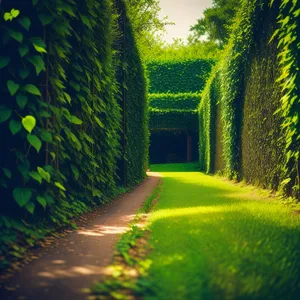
(215, 240)
(227, 254)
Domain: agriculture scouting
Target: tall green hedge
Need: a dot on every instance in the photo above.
(260, 128)
(173, 119)
(174, 101)
(178, 76)
(134, 105)
(60, 114)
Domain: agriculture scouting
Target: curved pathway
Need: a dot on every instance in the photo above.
(78, 259)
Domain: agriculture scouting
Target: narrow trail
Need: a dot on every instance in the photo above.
(78, 259)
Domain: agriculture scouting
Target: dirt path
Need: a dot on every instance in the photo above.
(82, 256)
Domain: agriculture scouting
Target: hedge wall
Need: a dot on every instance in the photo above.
(173, 119)
(134, 104)
(178, 76)
(174, 101)
(60, 116)
(258, 98)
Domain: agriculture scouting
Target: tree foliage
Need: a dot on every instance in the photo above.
(216, 23)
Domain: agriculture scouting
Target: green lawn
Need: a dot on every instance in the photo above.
(213, 239)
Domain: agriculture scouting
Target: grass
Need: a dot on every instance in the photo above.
(213, 239)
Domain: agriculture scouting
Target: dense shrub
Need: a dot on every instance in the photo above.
(174, 101)
(248, 98)
(178, 76)
(173, 119)
(134, 105)
(60, 115)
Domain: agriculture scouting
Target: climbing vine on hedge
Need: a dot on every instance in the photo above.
(60, 116)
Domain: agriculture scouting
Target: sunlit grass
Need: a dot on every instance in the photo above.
(213, 239)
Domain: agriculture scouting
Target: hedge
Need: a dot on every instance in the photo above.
(60, 114)
(174, 101)
(134, 104)
(178, 76)
(258, 98)
(173, 119)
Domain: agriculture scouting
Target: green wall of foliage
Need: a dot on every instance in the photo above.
(254, 88)
(60, 113)
(134, 104)
(174, 101)
(178, 76)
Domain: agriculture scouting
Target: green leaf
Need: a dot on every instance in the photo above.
(12, 87)
(36, 176)
(23, 50)
(4, 61)
(32, 89)
(14, 12)
(15, 126)
(34, 2)
(75, 86)
(22, 100)
(22, 195)
(29, 123)
(30, 206)
(38, 63)
(25, 22)
(75, 120)
(5, 113)
(60, 186)
(75, 172)
(18, 36)
(24, 73)
(34, 141)
(45, 175)
(46, 136)
(7, 172)
(41, 201)
(39, 49)
(45, 19)
(7, 16)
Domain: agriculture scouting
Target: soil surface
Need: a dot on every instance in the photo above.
(80, 258)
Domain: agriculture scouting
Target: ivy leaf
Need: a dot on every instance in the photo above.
(5, 113)
(18, 36)
(46, 136)
(4, 61)
(7, 172)
(34, 141)
(22, 195)
(30, 206)
(36, 176)
(75, 120)
(22, 100)
(23, 50)
(14, 12)
(75, 172)
(38, 63)
(60, 186)
(32, 89)
(45, 175)
(75, 86)
(15, 126)
(39, 49)
(41, 201)
(25, 22)
(12, 87)
(45, 19)
(29, 123)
